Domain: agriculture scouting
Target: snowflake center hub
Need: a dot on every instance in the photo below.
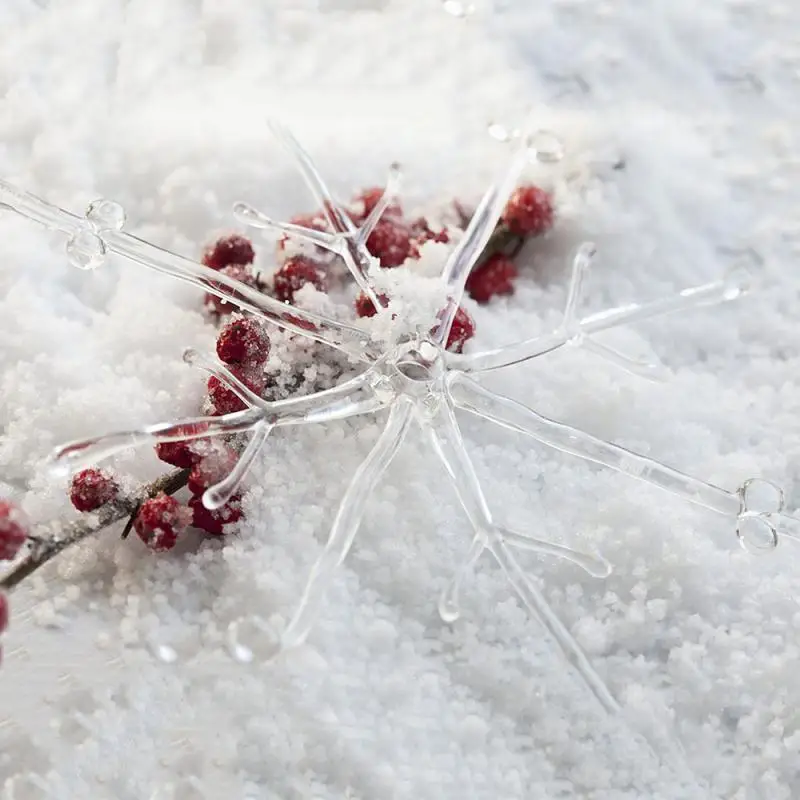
(419, 362)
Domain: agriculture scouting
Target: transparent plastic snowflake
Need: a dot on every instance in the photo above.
(414, 378)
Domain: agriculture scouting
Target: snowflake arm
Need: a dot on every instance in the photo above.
(100, 232)
(732, 286)
(447, 441)
(347, 521)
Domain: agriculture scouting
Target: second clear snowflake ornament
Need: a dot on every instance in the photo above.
(410, 378)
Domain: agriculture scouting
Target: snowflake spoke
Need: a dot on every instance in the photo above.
(93, 237)
(220, 493)
(348, 519)
(470, 396)
(224, 376)
(449, 445)
(389, 193)
(249, 215)
(458, 265)
(734, 285)
(79, 454)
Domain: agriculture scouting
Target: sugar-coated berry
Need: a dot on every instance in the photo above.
(390, 243)
(366, 308)
(365, 201)
(13, 530)
(214, 521)
(495, 276)
(91, 489)
(161, 519)
(529, 211)
(243, 340)
(227, 250)
(212, 468)
(239, 272)
(3, 613)
(463, 328)
(224, 400)
(295, 273)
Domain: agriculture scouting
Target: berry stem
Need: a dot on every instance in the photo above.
(45, 549)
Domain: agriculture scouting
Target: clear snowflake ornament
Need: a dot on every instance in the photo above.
(409, 375)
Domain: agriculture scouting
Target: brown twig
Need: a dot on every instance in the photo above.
(45, 549)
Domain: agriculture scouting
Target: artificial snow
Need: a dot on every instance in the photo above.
(149, 681)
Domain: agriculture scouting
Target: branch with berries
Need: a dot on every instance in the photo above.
(243, 345)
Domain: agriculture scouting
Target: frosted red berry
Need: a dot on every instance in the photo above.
(214, 521)
(13, 530)
(3, 613)
(529, 211)
(91, 489)
(365, 201)
(227, 250)
(212, 468)
(463, 328)
(243, 340)
(160, 521)
(226, 401)
(239, 272)
(366, 308)
(390, 243)
(422, 232)
(495, 276)
(295, 274)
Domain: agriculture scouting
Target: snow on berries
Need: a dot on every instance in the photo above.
(228, 250)
(529, 211)
(243, 340)
(161, 519)
(91, 489)
(495, 276)
(366, 200)
(13, 530)
(214, 522)
(390, 242)
(295, 273)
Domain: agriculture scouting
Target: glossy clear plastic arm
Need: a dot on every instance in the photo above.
(350, 398)
(736, 283)
(93, 236)
(348, 519)
(449, 445)
(348, 242)
(481, 226)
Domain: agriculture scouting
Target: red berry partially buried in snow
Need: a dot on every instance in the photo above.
(529, 211)
(390, 243)
(295, 274)
(243, 340)
(227, 250)
(494, 277)
(214, 521)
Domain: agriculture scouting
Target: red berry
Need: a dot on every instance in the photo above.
(233, 249)
(422, 232)
(238, 272)
(243, 340)
(390, 243)
(366, 308)
(495, 276)
(213, 521)
(529, 211)
(314, 222)
(226, 401)
(296, 273)
(3, 613)
(160, 521)
(212, 468)
(13, 530)
(369, 199)
(463, 328)
(91, 489)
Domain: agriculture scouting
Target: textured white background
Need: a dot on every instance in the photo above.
(161, 105)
